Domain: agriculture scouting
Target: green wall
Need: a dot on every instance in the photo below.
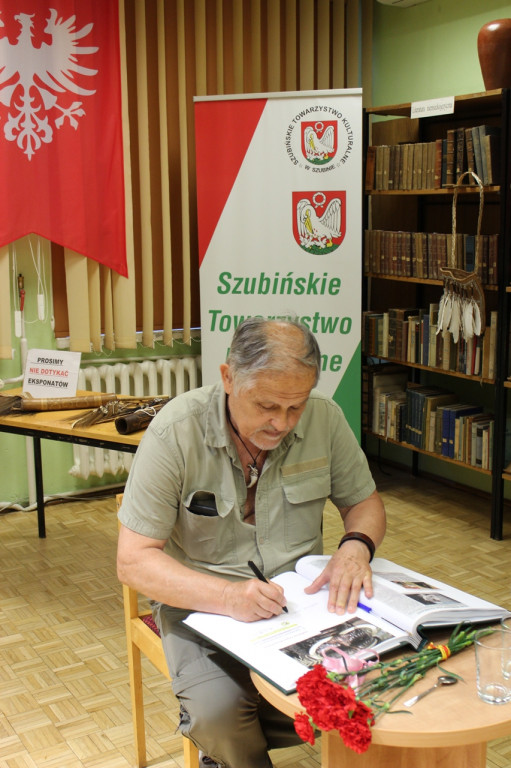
(426, 52)
(429, 50)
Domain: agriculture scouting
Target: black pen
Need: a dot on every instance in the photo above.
(253, 567)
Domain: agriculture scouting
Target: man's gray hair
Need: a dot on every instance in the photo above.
(260, 345)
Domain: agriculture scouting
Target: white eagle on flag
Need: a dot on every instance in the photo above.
(31, 79)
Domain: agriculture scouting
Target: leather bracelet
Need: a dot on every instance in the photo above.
(357, 536)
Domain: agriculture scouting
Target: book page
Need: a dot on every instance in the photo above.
(282, 648)
(409, 599)
(412, 599)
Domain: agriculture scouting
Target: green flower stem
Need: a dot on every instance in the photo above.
(378, 691)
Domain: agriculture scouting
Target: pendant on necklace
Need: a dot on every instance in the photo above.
(253, 476)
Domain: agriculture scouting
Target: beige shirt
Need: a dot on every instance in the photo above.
(186, 486)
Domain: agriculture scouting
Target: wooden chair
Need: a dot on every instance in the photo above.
(142, 637)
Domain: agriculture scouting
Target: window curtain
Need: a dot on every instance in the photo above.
(172, 50)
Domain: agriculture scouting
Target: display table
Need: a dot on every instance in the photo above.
(447, 729)
(57, 425)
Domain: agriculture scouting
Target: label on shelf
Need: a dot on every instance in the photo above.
(444, 106)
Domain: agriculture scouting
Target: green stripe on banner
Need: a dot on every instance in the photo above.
(348, 394)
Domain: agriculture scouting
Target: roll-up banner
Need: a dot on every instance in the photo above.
(279, 191)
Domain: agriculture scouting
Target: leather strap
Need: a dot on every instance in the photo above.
(357, 536)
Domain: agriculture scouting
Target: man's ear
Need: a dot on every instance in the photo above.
(226, 375)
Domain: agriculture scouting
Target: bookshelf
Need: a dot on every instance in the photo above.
(411, 168)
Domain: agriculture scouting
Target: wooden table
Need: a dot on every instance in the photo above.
(447, 729)
(57, 425)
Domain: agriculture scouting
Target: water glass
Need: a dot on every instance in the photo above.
(493, 665)
(505, 623)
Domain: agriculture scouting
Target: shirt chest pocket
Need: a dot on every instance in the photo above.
(305, 494)
(206, 527)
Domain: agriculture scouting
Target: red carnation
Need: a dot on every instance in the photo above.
(304, 728)
(327, 702)
(356, 735)
(356, 732)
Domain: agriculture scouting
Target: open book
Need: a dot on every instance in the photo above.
(404, 606)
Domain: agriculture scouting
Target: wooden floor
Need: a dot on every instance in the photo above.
(64, 698)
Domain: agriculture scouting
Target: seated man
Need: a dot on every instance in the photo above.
(233, 472)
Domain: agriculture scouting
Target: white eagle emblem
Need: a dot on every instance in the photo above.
(31, 79)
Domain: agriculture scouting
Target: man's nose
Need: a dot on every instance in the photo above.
(280, 421)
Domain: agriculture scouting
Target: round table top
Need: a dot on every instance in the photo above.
(449, 716)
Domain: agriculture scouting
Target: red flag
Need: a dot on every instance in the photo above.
(61, 155)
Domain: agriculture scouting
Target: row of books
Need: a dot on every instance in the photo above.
(410, 335)
(429, 418)
(436, 164)
(422, 254)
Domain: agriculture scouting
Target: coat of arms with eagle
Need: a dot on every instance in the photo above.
(34, 78)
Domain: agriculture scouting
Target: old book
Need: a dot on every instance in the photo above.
(433, 402)
(460, 154)
(469, 145)
(397, 317)
(419, 255)
(384, 404)
(395, 405)
(407, 253)
(383, 348)
(430, 446)
(386, 166)
(478, 428)
(433, 336)
(405, 160)
(416, 395)
(493, 247)
(406, 606)
(486, 353)
(444, 162)
(370, 168)
(374, 376)
(492, 346)
(437, 174)
(379, 404)
(469, 252)
(491, 148)
(424, 344)
(439, 423)
(465, 439)
(477, 152)
(451, 157)
(378, 173)
(369, 334)
(485, 131)
(411, 350)
(454, 415)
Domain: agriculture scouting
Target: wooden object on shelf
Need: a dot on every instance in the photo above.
(494, 51)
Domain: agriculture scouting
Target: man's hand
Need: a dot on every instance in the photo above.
(347, 572)
(253, 600)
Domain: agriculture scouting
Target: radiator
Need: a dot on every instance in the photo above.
(142, 379)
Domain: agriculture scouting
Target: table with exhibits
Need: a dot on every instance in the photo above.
(57, 425)
(450, 728)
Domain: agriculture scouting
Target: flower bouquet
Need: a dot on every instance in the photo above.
(350, 701)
